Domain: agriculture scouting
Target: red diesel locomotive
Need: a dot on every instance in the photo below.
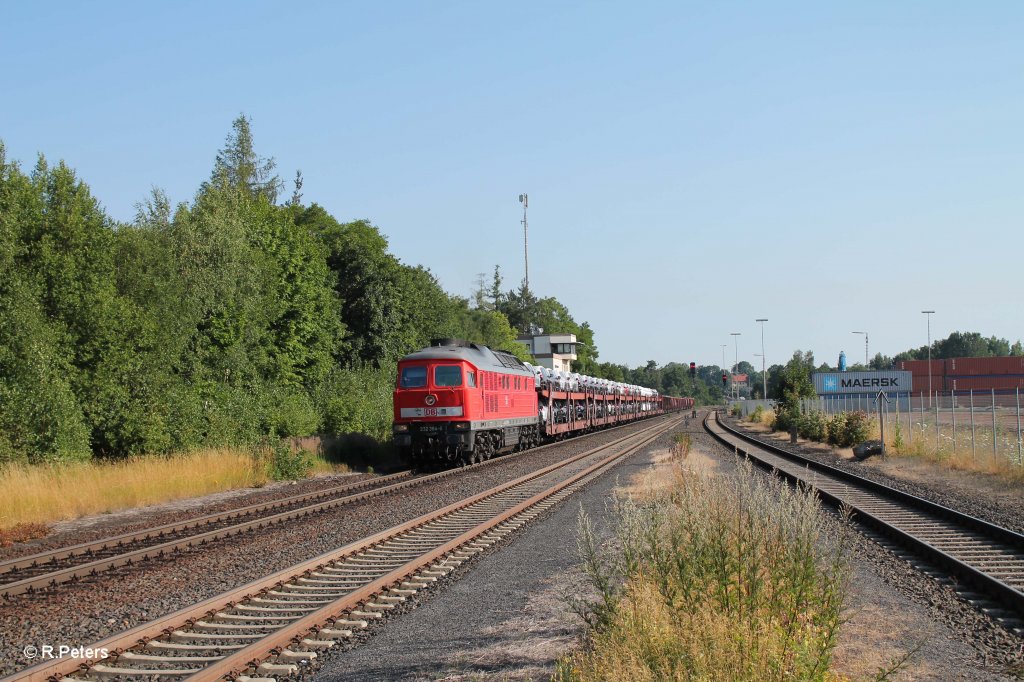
(460, 403)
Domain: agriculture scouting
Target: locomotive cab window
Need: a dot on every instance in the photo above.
(448, 375)
(413, 377)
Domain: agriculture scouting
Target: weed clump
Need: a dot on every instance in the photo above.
(730, 577)
(282, 462)
(681, 443)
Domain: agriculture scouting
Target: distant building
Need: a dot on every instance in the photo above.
(741, 383)
(555, 351)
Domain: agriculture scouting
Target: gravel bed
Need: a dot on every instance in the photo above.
(95, 608)
(994, 511)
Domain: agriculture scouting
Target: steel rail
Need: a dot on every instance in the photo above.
(172, 624)
(960, 543)
(117, 542)
(308, 503)
(231, 666)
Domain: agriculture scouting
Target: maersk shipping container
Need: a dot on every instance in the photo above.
(833, 383)
(999, 383)
(984, 366)
(920, 367)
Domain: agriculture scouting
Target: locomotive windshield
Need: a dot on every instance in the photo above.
(413, 377)
(448, 375)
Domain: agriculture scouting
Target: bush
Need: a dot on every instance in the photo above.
(813, 426)
(858, 427)
(756, 415)
(294, 415)
(285, 464)
(737, 410)
(846, 429)
(785, 418)
(836, 429)
(358, 400)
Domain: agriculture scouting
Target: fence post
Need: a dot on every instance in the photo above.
(995, 451)
(924, 417)
(936, 397)
(1019, 460)
(910, 418)
(881, 421)
(952, 411)
(897, 413)
(974, 445)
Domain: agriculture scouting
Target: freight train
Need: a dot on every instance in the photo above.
(458, 403)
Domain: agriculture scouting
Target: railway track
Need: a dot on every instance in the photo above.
(269, 627)
(985, 556)
(47, 569)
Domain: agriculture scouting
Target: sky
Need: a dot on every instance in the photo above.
(691, 167)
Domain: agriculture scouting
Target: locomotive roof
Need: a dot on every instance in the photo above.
(481, 356)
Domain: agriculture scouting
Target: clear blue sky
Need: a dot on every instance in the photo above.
(691, 167)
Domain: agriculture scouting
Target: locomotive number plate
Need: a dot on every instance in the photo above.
(408, 412)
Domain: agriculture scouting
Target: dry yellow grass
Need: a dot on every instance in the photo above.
(963, 459)
(762, 416)
(48, 493)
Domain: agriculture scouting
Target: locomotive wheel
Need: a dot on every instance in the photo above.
(486, 446)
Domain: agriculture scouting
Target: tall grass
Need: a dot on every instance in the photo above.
(963, 457)
(732, 577)
(48, 493)
(45, 493)
(763, 416)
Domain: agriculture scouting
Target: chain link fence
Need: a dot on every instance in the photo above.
(979, 423)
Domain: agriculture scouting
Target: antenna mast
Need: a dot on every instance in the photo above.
(524, 200)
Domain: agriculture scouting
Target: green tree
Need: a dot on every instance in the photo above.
(795, 381)
(238, 165)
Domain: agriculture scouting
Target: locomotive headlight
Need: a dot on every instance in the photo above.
(461, 426)
(400, 428)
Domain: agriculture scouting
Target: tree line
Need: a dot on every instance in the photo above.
(220, 321)
(237, 317)
(224, 321)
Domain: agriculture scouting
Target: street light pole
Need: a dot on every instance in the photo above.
(723, 354)
(736, 341)
(865, 348)
(525, 201)
(764, 375)
(928, 314)
(763, 383)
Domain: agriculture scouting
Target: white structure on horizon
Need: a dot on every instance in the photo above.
(554, 351)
